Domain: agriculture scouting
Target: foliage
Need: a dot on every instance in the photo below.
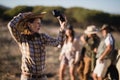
(77, 16)
(19, 9)
(2, 10)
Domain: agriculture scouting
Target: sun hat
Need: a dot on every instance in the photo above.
(31, 16)
(104, 27)
(91, 30)
(35, 15)
(23, 21)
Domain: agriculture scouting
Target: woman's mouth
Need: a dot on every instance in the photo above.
(38, 29)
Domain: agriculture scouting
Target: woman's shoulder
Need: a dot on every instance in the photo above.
(76, 39)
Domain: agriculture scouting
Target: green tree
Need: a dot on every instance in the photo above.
(19, 9)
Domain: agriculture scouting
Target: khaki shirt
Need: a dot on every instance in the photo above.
(91, 44)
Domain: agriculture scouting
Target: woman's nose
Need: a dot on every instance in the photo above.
(40, 24)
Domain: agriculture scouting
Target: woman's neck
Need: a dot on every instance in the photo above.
(69, 39)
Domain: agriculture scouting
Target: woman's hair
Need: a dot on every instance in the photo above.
(23, 26)
(72, 33)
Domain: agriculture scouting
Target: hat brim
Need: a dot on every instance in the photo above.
(101, 30)
(35, 15)
(104, 27)
(87, 32)
(30, 16)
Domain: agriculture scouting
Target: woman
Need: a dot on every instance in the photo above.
(69, 50)
(25, 28)
(90, 42)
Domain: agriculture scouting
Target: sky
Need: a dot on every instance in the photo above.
(109, 6)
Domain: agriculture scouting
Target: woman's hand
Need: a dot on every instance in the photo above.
(60, 57)
(100, 59)
(62, 24)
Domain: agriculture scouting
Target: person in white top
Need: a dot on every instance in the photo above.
(104, 53)
(68, 53)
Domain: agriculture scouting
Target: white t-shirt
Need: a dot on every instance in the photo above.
(109, 40)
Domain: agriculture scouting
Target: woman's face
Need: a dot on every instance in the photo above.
(68, 32)
(35, 26)
(104, 33)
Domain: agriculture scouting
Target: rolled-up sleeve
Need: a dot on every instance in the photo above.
(54, 41)
(13, 28)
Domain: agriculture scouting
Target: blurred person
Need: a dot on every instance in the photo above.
(104, 53)
(80, 63)
(90, 42)
(69, 53)
(25, 28)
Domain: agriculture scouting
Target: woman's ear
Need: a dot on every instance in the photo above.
(29, 24)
